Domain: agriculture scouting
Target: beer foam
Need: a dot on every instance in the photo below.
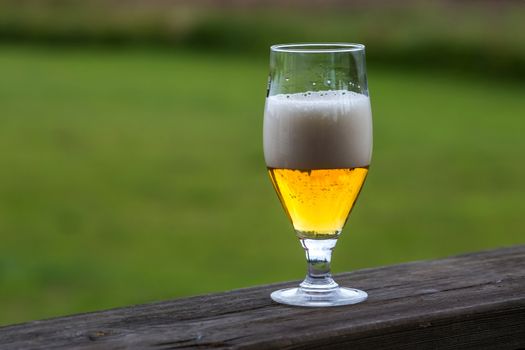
(318, 130)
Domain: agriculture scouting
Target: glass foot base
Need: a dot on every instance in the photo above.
(333, 297)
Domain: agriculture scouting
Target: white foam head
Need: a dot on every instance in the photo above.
(318, 130)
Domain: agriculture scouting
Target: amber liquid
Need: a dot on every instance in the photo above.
(318, 201)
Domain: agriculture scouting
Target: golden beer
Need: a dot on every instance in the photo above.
(318, 201)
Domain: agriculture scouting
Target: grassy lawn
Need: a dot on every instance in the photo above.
(133, 176)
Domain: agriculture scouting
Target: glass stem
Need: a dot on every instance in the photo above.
(318, 256)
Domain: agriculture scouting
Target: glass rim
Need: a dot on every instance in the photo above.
(317, 47)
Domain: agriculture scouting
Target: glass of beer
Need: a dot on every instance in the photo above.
(317, 147)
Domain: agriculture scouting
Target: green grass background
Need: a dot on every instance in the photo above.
(138, 175)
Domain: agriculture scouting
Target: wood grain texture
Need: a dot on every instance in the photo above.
(473, 301)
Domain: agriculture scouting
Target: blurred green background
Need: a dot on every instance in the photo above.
(131, 165)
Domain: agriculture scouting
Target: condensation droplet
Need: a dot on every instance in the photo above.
(314, 84)
(287, 79)
(328, 82)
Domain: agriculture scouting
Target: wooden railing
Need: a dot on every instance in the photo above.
(473, 301)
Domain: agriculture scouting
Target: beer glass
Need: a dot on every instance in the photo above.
(317, 148)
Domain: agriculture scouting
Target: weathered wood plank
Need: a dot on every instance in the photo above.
(473, 301)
